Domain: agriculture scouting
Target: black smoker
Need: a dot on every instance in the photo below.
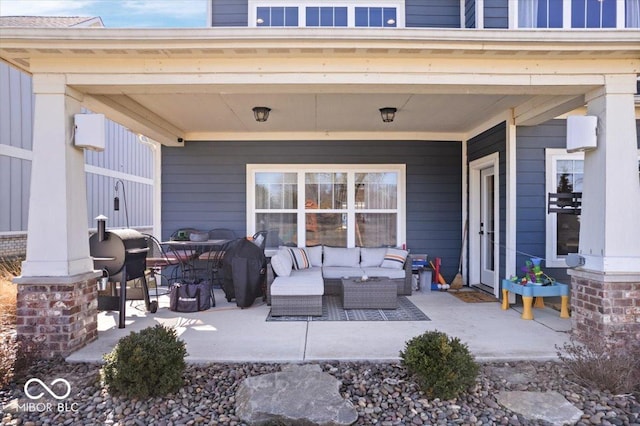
(122, 255)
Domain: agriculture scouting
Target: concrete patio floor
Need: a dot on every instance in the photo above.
(227, 333)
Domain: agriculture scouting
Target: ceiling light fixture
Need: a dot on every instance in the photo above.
(388, 114)
(261, 114)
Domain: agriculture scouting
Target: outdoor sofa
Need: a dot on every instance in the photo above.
(302, 275)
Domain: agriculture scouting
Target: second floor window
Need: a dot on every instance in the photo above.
(577, 13)
(277, 16)
(327, 13)
(326, 16)
(593, 14)
(540, 14)
(376, 17)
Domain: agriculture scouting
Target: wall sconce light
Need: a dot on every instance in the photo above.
(388, 114)
(261, 114)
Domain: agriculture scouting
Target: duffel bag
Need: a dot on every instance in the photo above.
(191, 296)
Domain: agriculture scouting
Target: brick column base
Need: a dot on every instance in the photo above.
(605, 305)
(60, 312)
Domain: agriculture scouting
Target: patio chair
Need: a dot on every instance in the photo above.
(213, 256)
(187, 254)
(160, 260)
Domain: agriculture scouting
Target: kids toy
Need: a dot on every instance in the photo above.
(534, 274)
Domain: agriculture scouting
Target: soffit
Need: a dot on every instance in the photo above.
(200, 84)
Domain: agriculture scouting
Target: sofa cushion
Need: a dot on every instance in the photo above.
(300, 283)
(341, 256)
(333, 272)
(372, 256)
(315, 255)
(385, 272)
(299, 257)
(281, 264)
(394, 258)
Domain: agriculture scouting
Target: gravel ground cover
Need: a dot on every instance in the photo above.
(382, 393)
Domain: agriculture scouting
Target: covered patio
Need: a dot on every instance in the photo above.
(227, 333)
(193, 90)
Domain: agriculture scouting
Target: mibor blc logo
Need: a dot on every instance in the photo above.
(35, 389)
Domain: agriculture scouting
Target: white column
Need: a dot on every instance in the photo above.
(57, 236)
(609, 225)
(511, 217)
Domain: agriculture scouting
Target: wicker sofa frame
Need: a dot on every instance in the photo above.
(312, 304)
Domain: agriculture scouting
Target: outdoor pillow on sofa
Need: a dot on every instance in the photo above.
(304, 257)
(394, 258)
(372, 257)
(341, 256)
(281, 263)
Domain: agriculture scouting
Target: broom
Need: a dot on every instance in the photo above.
(458, 281)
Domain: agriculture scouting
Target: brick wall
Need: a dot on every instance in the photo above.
(63, 316)
(13, 245)
(606, 308)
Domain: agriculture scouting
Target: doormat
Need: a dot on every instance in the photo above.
(473, 296)
(332, 310)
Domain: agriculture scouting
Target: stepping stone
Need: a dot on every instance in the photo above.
(297, 395)
(550, 406)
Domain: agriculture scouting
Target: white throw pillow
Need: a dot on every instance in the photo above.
(372, 256)
(394, 258)
(341, 256)
(315, 255)
(281, 264)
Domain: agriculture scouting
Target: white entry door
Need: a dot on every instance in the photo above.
(484, 223)
(487, 227)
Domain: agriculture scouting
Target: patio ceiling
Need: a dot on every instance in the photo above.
(202, 84)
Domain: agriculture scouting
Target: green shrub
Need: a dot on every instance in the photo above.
(148, 363)
(443, 366)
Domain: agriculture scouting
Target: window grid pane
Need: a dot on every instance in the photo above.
(276, 191)
(376, 229)
(313, 16)
(376, 191)
(282, 227)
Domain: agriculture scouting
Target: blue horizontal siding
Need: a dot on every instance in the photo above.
(432, 13)
(229, 13)
(531, 199)
(531, 204)
(496, 14)
(204, 184)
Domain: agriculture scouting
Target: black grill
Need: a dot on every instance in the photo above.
(121, 251)
(122, 255)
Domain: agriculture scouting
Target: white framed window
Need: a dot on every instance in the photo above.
(339, 205)
(327, 13)
(563, 173)
(574, 13)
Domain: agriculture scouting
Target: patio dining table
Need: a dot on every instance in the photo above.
(188, 252)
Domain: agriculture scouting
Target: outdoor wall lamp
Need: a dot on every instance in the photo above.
(261, 114)
(388, 114)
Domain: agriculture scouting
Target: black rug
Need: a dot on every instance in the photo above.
(332, 310)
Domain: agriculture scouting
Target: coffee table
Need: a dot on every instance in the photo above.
(375, 293)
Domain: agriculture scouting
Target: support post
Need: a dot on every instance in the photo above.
(57, 292)
(605, 295)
